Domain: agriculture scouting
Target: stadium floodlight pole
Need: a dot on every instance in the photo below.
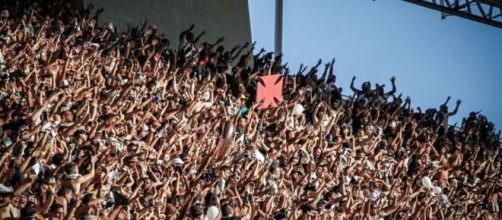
(278, 27)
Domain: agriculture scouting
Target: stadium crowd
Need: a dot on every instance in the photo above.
(98, 124)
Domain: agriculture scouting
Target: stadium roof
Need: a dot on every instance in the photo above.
(483, 11)
(497, 3)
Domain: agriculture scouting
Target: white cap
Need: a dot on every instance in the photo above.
(444, 199)
(426, 181)
(205, 96)
(178, 161)
(259, 156)
(298, 109)
(36, 168)
(437, 190)
(6, 189)
(46, 126)
(7, 142)
(212, 213)
(220, 186)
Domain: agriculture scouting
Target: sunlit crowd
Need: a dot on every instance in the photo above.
(102, 124)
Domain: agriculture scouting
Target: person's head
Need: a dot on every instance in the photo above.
(368, 129)
(17, 178)
(28, 211)
(281, 215)
(443, 150)
(211, 199)
(177, 200)
(226, 210)
(67, 116)
(317, 151)
(496, 164)
(72, 168)
(64, 192)
(366, 87)
(346, 130)
(379, 89)
(467, 167)
(88, 198)
(56, 211)
(336, 130)
(190, 37)
(4, 14)
(359, 154)
(443, 108)
(347, 171)
(19, 201)
(196, 210)
(360, 133)
(57, 159)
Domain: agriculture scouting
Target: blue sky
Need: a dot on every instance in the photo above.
(375, 40)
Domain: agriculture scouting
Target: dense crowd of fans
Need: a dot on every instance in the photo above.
(101, 124)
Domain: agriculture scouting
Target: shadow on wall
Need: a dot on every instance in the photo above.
(219, 18)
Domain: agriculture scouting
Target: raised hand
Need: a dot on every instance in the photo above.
(94, 159)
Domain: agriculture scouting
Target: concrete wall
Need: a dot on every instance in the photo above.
(219, 18)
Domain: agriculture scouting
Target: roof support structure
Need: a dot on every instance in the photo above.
(484, 11)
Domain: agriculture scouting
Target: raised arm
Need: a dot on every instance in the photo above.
(218, 41)
(393, 81)
(325, 73)
(25, 186)
(456, 108)
(183, 34)
(301, 70)
(33, 117)
(356, 91)
(447, 100)
(91, 173)
(196, 39)
(48, 202)
(312, 72)
(331, 75)
(407, 103)
(235, 55)
(74, 203)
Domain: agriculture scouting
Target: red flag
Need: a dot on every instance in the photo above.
(269, 90)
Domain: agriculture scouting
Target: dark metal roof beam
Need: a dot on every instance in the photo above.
(497, 3)
(465, 11)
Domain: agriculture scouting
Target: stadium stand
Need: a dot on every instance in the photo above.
(97, 124)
